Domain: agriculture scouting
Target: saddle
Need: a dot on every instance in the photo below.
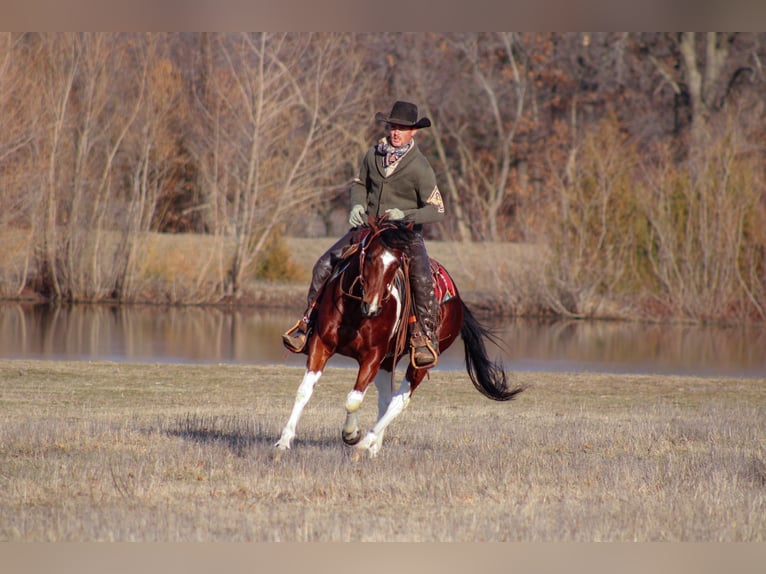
(444, 286)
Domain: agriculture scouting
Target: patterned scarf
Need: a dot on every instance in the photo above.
(390, 153)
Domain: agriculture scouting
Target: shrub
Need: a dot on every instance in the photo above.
(596, 229)
(274, 262)
(707, 238)
(666, 237)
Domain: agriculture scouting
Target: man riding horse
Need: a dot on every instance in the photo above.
(396, 181)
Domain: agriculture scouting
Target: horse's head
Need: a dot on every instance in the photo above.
(381, 254)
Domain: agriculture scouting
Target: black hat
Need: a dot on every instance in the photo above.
(404, 114)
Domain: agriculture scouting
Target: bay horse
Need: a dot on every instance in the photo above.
(362, 312)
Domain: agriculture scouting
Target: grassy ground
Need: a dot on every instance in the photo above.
(104, 451)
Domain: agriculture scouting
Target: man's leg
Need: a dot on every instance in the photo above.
(423, 338)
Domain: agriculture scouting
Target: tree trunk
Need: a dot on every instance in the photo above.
(704, 81)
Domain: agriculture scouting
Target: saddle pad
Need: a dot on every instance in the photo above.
(444, 286)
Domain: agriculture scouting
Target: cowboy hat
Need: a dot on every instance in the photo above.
(404, 114)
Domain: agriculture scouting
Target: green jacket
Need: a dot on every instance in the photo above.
(411, 188)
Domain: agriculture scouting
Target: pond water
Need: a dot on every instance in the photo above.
(157, 334)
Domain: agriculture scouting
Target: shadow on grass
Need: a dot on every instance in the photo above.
(239, 434)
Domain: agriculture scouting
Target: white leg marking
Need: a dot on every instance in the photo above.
(302, 397)
(383, 383)
(398, 403)
(374, 439)
(354, 401)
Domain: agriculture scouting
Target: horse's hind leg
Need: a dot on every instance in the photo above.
(384, 382)
(373, 440)
(385, 385)
(351, 432)
(398, 402)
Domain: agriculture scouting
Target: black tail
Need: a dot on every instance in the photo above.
(488, 377)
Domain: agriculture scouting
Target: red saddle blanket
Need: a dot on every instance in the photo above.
(444, 286)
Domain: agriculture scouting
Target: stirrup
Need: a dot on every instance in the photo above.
(295, 338)
(419, 344)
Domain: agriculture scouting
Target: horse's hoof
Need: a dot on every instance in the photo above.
(351, 439)
(371, 444)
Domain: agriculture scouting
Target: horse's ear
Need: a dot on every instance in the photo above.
(372, 222)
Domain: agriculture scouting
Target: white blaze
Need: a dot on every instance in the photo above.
(387, 259)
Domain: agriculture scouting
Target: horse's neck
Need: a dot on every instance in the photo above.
(346, 275)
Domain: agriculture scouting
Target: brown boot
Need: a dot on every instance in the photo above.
(423, 353)
(295, 339)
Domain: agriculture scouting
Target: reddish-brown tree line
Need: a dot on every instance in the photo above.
(635, 159)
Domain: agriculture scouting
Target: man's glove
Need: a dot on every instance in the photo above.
(356, 218)
(394, 214)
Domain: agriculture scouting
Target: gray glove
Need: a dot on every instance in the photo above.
(356, 218)
(394, 214)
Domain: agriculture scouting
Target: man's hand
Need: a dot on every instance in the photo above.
(356, 218)
(394, 214)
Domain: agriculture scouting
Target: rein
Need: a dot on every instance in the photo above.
(401, 335)
(366, 240)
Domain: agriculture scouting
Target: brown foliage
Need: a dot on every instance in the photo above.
(234, 135)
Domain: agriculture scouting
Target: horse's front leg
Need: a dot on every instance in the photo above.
(350, 432)
(319, 354)
(367, 372)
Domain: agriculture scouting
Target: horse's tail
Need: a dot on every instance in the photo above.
(487, 376)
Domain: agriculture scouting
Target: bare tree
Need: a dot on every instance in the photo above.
(148, 156)
(480, 122)
(108, 138)
(703, 72)
(19, 125)
(275, 124)
(90, 104)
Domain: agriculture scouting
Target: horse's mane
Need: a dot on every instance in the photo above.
(397, 235)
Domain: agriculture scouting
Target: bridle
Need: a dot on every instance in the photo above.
(367, 240)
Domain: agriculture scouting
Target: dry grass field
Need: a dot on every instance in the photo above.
(136, 452)
(488, 274)
(474, 266)
(182, 267)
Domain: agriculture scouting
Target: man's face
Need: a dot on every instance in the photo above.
(400, 135)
